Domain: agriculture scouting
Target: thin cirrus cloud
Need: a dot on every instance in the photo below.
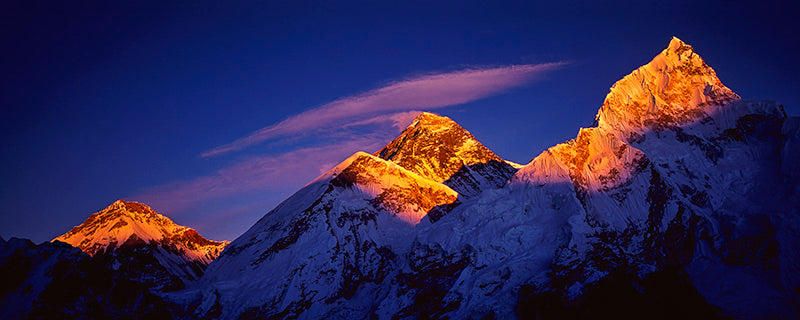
(261, 173)
(316, 140)
(429, 91)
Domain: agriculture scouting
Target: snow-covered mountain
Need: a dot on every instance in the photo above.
(677, 87)
(703, 194)
(112, 266)
(683, 197)
(131, 237)
(338, 233)
(344, 229)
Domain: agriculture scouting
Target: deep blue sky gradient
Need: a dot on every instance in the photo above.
(100, 101)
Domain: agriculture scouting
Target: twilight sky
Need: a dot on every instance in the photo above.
(213, 115)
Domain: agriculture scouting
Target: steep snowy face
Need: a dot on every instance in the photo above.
(339, 232)
(602, 170)
(676, 87)
(364, 190)
(720, 177)
(597, 161)
(681, 171)
(437, 148)
(682, 189)
(130, 223)
(395, 189)
(143, 246)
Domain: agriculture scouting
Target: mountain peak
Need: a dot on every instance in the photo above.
(132, 208)
(675, 44)
(436, 147)
(126, 223)
(680, 53)
(398, 190)
(431, 119)
(674, 88)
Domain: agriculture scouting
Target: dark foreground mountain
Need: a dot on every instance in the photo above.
(58, 281)
(682, 201)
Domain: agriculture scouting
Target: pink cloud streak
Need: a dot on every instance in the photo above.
(423, 92)
(288, 170)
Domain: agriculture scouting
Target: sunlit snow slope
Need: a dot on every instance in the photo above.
(131, 235)
(682, 201)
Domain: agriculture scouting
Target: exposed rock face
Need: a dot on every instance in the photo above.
(440, 150)
(404, 194)
(133, 238)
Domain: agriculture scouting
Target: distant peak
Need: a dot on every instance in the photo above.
(116, 224)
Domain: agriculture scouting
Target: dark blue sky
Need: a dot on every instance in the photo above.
(101, 102)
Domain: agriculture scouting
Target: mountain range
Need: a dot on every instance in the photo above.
(681, 201)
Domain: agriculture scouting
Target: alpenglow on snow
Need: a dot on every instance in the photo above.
(682, 191)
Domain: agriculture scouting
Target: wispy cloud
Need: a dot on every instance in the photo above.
(308, 144)
(261, 173)
(429, 91)
(397, 120)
